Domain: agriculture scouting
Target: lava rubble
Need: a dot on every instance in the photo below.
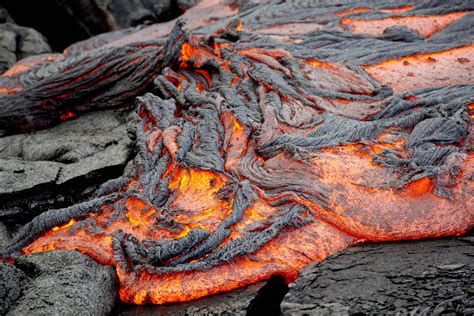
(263, 142)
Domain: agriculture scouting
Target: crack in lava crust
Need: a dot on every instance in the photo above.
(252, 160)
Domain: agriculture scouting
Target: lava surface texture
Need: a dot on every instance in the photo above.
(268, 136)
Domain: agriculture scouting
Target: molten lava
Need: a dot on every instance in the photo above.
(255, 158)
(426, 70)
(424, 25)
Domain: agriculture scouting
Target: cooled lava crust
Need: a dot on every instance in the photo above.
(268, 136)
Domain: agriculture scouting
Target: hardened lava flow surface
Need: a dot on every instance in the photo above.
(264, 140)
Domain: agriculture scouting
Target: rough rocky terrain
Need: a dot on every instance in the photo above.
(430, 277)
(59, 166)
(57, 283)
(18, 42)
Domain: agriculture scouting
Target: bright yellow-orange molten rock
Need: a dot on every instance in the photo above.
(353, 211)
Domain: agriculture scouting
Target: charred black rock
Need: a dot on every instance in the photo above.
(430, 277)
(83, 18)
(269, 297)
(62, 282)
(4, 235)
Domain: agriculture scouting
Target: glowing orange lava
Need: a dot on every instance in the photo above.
(424, 25)
(255, 161)
(426, 70)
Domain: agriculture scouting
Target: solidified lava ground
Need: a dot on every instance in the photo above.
(268, 136)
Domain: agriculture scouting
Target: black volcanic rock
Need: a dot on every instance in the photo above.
(423, 277)
(12, 281)
(62, 283)
(81, 19)
(186, 4)
(55, 167)
(127, 13)
(17, 42)
(4, 235)
(4, 16)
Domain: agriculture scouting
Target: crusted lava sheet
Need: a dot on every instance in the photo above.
(268, 137)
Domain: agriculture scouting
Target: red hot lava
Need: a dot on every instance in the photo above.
(257, 155)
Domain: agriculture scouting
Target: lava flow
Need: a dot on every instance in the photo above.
(257, 154)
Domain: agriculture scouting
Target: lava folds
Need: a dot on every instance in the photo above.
(253, 160)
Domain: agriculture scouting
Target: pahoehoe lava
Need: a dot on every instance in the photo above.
(264, 141)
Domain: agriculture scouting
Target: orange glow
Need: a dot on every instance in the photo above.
(187, 51)
(420, 187)
(7, 91)
(196, 180)
(426, 70)
(318, 63)
(237, 126)
(197, 52)
(274, 52)
(401, 9)
(424, 25)
(30, 63)
(139, 213)
(237, 139)
(240, 26)
(199, 86)
(69, 224)
(344, 101)
(351, 11)
(365, 9)
(66, 116)
(315, 201)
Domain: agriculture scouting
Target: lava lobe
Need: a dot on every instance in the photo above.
(260, 150)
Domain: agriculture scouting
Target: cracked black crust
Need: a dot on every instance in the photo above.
(429, 278)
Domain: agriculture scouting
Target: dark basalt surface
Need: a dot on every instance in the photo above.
(18, 42)
(57, 283)
(80, 19)
(60, 165)
(430, 277)
(4, 235)
(12, 280)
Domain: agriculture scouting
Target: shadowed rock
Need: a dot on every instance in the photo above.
(81, 19)
(17, 42)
